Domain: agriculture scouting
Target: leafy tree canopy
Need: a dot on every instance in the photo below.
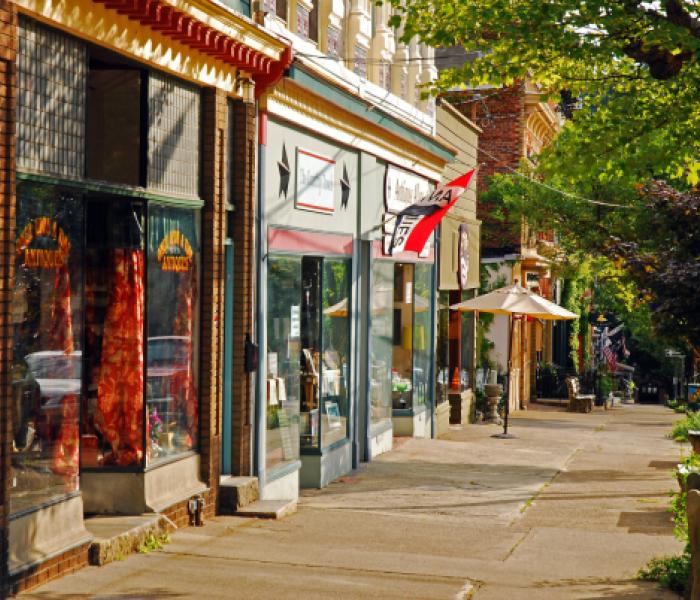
(634, 65)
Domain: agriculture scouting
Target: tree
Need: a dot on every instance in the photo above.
(634, 65)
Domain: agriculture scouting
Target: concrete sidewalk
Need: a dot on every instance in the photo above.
(571, 508)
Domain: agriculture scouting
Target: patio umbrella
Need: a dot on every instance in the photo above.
(514, 300)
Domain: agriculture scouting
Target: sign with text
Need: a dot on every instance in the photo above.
(315, 182)
(401, 189)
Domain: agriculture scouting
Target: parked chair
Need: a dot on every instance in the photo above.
(578, 402)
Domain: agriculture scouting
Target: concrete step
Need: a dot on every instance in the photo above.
(268, 509)
(237, 492)
(117, 536)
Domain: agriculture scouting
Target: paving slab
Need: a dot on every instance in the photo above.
(570, 508)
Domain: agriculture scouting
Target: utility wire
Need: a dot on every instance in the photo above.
(551, 188)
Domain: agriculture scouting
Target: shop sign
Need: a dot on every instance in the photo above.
(402, 189)
(50, 233)
(175, 252)
(463, 252)
(315, 182)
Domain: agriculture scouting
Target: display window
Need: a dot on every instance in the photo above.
(172, 343)
(105, 337)
(412, 323)
(422, 326)
(308, 354)
(46, 367)
(283, 360)
(381, 342)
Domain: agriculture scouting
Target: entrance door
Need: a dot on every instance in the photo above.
(227, 422)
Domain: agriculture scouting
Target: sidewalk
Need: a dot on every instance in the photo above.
(571, 508)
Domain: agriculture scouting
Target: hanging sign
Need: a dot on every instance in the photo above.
(33, 241)
(315, 182)
(463, 251)
(175, 252)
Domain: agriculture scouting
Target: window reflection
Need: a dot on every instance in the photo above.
(381, 344)
(46, 311)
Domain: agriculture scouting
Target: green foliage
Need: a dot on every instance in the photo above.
(671, 572)
(154, 542)
(606, 385)
(680, 429)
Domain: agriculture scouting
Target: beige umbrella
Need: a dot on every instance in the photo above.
(514, 300)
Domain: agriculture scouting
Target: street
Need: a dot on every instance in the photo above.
(570, 508)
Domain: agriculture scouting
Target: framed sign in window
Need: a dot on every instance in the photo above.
(315, 182)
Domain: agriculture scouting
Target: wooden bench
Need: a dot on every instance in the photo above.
(578, 402)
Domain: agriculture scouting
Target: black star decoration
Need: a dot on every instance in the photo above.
(344, 188)
(283, 166)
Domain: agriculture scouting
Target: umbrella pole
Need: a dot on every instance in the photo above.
(508, 374)
(506, 412)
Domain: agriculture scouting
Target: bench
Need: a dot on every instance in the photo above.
(578, 402)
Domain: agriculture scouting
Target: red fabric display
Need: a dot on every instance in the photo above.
(119, 415)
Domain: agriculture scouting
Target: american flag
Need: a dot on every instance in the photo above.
(610, 357)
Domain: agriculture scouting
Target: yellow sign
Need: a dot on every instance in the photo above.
(43, 258)
(175, 252)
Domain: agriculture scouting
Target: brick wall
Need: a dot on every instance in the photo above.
(502, 118)
(243, 234)
(8, 45)
(214, 143)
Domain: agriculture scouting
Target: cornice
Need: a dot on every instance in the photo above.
(297, 105)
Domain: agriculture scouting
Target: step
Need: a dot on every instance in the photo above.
(117, 536)
(268, 509)
(237, 492)
(551, 401)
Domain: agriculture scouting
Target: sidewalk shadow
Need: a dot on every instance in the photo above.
(156, 594)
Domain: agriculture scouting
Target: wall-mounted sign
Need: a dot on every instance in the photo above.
(174, 252)
(402, 188)
(463, 253)
(43, 244)
(315, 185)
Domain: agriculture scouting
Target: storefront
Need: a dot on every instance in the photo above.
(459, 279)
(117, 228)
(308, 275)
(105, 304)
(345, 351)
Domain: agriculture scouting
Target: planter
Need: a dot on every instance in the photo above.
(694, 439)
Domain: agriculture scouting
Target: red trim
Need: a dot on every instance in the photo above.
(294, 240)
(176, 25)
(312, 155)
(315, 207)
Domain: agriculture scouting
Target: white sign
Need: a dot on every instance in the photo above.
(295, 321)
(402, 188)
(315, 182)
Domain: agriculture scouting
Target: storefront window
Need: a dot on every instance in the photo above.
(311, 350)
(422, 326)
(335, 368)
(402, 364)
(444, 377)
(114, 324)
(172, 408)
(283, 359)
(381, 344)
(468, 328)
(46, 313)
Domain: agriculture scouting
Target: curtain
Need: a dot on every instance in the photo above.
(119, 414)
(182, 385)
(65, 455)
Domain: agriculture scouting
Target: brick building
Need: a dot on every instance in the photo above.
(516, 125)
(128, 137)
